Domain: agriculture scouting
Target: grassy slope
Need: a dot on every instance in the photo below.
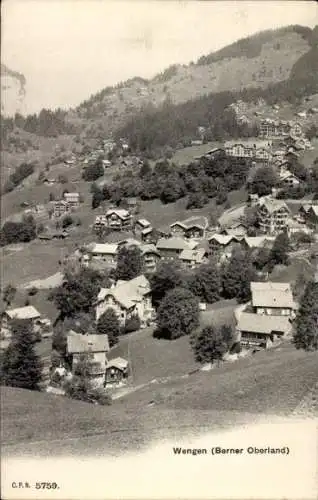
(232, 71)
(270, 383)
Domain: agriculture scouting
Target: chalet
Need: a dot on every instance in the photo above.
(288, 179)
(259, 152)
(222, 245)
(238, 229)
(251, 242)
(171, 248)
(116, 371)
(261, 331)
(191, 259)
(140, 225)
(106, 252)
(151, 257)
(73, 199)
(303, 213)
(312, 217)
(147, 235)
(49, 181)
(212, 154)
(193, 227)
(118, 219)
(27, 314)
(60, 208)
(129, 243)
(253, 199)
(53, 235)
(94, 349)
(127, 299)
(100, 223)
(294, 227)
(272, 215)
(273, 299)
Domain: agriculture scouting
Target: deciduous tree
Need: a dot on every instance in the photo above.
(178, 314)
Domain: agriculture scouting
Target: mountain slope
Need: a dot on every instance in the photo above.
(257, 61)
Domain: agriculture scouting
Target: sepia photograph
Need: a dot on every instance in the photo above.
(159, 249)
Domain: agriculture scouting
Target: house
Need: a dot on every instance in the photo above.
(53, 235)
(73, 200)
(127, 299)
(151, 257)
(260, 330)
(288, 179)
(28, 314)
(191, 259)
(118, 219)
(253, 199)
(129, 243)
(60, 208)
(100, 223)
(272, 215)
(171, 248)
(193, 227)
(106, 252)
(251, 242)
(259, 151)
(49, 181)
(116, 371)
(147, 235)
(222, 245)
(140, 225)
(294, 227)
(238, 229)
(303, 213)
(312, 217)
(211, 154)
(273, 299)
(94, 348)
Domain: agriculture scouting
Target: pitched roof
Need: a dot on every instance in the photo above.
(262, 323)
(258, 241)
(121, 212)
(271, 294)
(27, 312)
(119, 363)
(195, 221)
(314, 209)
(149, 248)
(143, 222)
(147, 230)
(77, 343)
(223, 239)
(127, 293)
(105, 248)
(193, 255)
(173, 243)
(273, 205)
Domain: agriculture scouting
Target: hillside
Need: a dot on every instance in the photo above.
(257, 61)
(270, 383)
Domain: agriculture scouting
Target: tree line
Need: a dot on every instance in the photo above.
(201, 181)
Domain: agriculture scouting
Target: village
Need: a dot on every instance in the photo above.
(190, 244)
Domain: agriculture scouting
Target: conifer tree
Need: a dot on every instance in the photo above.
(306, 324)
(21, 366)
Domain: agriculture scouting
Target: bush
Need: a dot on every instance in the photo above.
(132, 324)
(33, 290)
(67, 221)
